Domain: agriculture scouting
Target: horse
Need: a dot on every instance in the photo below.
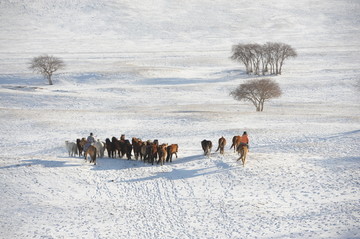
(100, 148)
(153, 152)
(126, 148)
(144, 152)
(162, 150)
(171, 149)
(242, 150)
(110, 148)
(136, 143)
(235, 142)
(117, 146)
(222, 143)
(91, 151)
(71, 148)
(80, 144)
(206, 146)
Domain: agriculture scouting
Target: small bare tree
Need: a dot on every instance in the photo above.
(257, 91)
(46, 65)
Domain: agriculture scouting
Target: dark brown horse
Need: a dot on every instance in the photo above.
(206, 146)
(117, 146)
(222, 143)
(91, 151)
(110, 148)
(126, 148)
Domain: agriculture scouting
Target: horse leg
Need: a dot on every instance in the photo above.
(240, 155)
(245, 154)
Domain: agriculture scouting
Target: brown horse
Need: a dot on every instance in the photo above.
(153, 152)
(242, 150)
(162, 151)
(235, 142)
(206, 146)
(171, 149)
(80, 144)
(222, 143)
(91, 151)
(136, 143)
(144, 151)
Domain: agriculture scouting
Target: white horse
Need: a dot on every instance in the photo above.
(71, 147)
(100, 148)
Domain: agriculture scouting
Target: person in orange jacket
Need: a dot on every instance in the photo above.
(244, 140)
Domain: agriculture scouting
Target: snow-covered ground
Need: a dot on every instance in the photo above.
(161, 70)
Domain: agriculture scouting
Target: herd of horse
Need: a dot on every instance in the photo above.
(147, 151)
(150, 151)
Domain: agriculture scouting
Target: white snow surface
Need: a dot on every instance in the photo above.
(161, 70)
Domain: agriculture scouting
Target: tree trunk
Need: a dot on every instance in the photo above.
(281, 63)
(262, 105)
(49, 79)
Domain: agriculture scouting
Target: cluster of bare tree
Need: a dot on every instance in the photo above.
(263, 59)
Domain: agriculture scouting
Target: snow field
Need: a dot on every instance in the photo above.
(161, 70)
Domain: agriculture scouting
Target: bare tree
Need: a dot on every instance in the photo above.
(270, 49)
(46, 65)
(242, 53)
(257, 91)
(259, 59)
(286, 51)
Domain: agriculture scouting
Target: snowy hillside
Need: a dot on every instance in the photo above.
(161, 70)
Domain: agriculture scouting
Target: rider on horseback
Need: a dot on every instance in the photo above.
(89, 141)
(244, 140)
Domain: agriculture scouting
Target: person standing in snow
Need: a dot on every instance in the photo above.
(89, 141)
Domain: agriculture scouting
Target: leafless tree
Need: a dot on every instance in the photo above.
(257, 92)
(286, 51)
(259, 59)
(46, 65)
(242, 53)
